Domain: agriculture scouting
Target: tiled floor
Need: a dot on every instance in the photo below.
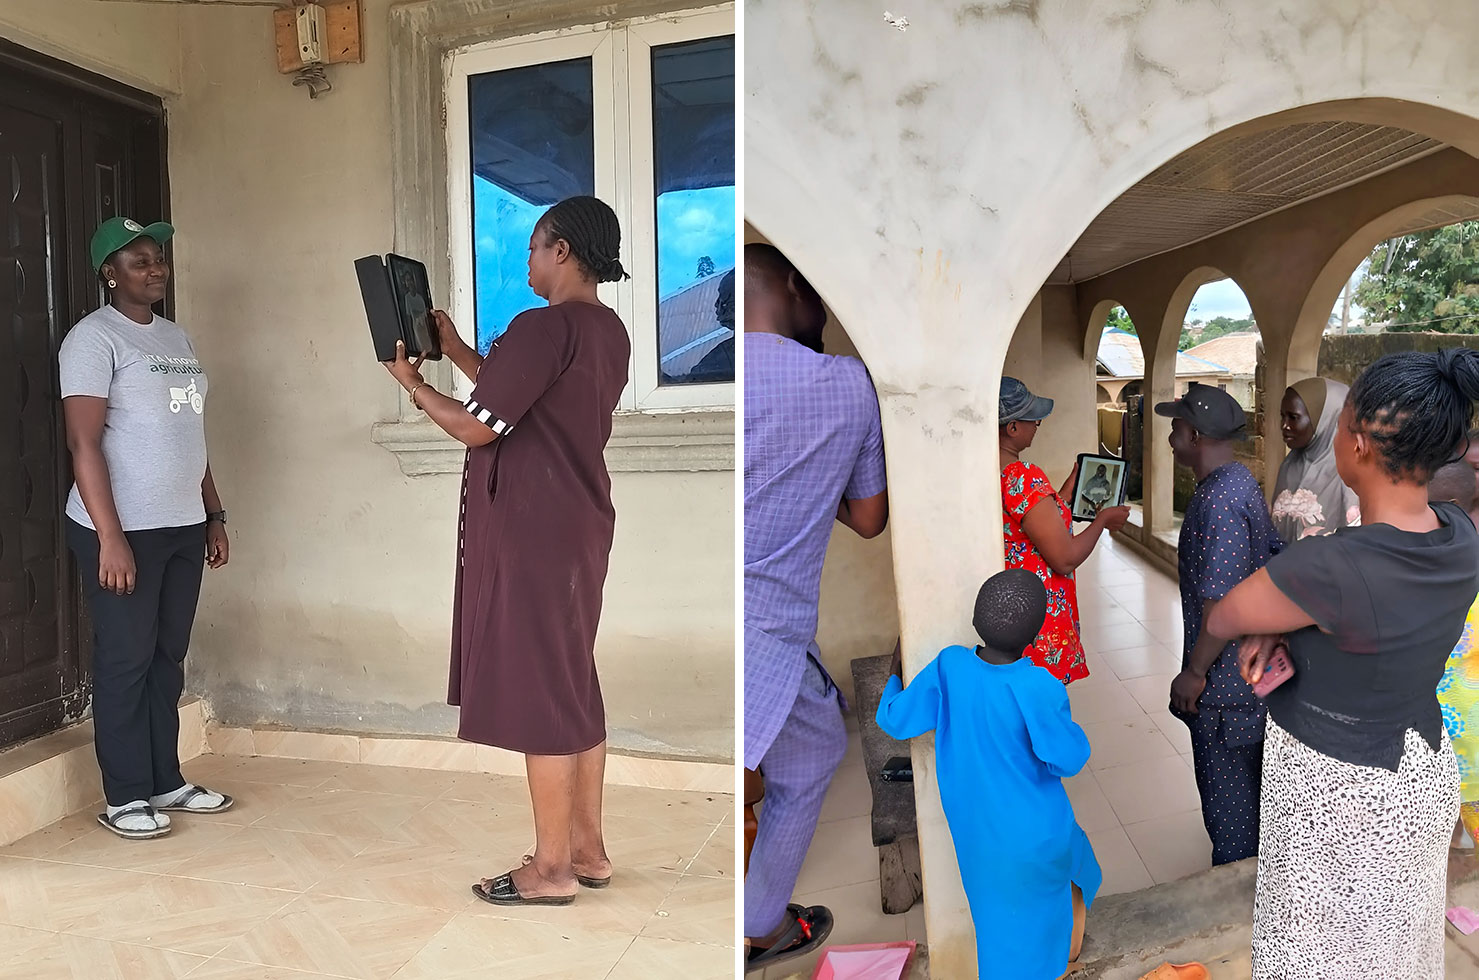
(356, 871)
(1137, 800)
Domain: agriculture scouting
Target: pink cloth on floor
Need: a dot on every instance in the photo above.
(870, 961)
(1466, 919)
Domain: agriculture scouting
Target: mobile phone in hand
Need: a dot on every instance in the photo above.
(1279, 670)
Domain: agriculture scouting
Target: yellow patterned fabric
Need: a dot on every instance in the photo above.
(1458, 694)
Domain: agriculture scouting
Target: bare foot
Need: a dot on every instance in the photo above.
(591, 863)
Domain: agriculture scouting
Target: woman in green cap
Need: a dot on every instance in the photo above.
(142, 519)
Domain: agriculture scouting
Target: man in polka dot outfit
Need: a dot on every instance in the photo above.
(1226, 537)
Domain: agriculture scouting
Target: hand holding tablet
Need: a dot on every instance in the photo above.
(397, 296)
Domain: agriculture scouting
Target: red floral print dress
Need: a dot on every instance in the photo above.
(1058, 646)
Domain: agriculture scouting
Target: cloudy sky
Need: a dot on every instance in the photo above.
(1224, 298)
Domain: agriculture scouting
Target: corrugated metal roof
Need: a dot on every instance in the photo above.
(1120, 357)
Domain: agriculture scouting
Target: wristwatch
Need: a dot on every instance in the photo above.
(219, 517)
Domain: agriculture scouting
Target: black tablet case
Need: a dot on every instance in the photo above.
(374, 288)
(382, 311)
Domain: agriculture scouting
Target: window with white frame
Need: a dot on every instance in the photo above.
(642, 116)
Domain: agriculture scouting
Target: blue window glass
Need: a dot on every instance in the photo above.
(693, 123)
(532, 136)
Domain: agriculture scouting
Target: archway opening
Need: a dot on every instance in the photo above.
(1417, 288)
(1220, 346)
(1218, 260)
(1119, 371)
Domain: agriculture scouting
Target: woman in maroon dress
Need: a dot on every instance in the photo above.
(534, 539)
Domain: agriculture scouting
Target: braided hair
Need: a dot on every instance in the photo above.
(590, 227)
(1010, 610)
(1417, 409)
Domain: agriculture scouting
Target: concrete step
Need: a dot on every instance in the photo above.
(1208, 918)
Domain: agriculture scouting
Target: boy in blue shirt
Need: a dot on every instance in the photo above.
(1004, 741)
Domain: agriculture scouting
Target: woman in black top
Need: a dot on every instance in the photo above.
(1360, 786)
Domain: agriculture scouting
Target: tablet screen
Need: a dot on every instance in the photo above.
(412, 290)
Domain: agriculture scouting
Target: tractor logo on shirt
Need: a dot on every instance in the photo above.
(179, 397)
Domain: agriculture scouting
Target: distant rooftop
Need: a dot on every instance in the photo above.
(1120, 357)
(1237, 351)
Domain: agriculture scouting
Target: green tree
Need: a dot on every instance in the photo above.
(1425, 281)
(1218, 326)
(1119, 319)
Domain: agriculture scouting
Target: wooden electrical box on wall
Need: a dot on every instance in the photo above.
(342, 46)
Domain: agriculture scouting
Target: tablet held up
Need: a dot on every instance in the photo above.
(397, 295)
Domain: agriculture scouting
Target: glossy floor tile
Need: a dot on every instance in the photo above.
(360, 872)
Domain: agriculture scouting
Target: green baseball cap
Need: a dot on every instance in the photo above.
(115, 233)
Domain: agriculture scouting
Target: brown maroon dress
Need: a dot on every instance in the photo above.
(535, 533)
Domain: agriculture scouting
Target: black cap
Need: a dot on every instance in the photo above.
(1211, 411)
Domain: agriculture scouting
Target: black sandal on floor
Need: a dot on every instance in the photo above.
(809, 928)
(503, 891)
(134, 811)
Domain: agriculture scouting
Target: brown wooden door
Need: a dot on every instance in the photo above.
(74, 149)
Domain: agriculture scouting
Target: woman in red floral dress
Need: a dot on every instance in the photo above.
(1040, 538)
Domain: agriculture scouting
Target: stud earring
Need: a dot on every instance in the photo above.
(112, 284)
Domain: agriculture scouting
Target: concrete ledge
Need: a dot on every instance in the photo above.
(55, 776)
(1208, 918)
(690, 442)
(456, 756)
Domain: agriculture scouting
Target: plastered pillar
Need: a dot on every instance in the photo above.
(1160, 386)
(940, 432)
(945, 507)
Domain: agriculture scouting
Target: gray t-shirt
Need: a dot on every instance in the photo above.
(154, 433)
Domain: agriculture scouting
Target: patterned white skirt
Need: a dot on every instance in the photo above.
(1352, 863)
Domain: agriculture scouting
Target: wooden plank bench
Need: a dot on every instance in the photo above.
(894, 831)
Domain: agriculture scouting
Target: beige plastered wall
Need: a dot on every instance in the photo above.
(929, 180)
(1047, 354)
(335, 611)
(136, 43)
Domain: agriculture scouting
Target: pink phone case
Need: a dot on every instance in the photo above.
(1278, 671)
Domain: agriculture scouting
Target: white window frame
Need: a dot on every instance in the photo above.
(623, 132)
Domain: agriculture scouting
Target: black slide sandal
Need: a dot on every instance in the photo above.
(503, 891)
(809, 928)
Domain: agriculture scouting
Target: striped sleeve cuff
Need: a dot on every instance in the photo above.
(486, 416)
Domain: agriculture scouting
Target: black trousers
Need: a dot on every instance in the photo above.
(139, 645)
(1227, 754)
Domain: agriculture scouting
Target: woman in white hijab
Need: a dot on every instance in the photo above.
(1309, 497)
